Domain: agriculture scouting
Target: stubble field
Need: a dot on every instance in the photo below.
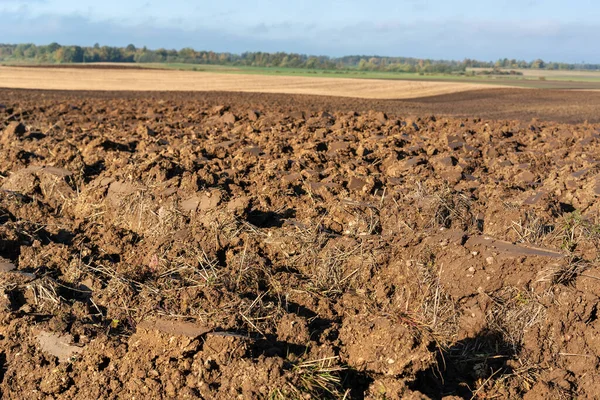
(239, 245)
(117, 78)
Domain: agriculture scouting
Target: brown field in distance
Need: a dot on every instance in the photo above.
(152, 80)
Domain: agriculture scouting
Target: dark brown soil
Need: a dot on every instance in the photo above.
(268, 246)
(566, 106)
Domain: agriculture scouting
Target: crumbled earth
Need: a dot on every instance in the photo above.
(180, 247)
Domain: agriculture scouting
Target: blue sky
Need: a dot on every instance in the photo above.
(527, 29)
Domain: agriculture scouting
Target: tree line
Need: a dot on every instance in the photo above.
(56, 53)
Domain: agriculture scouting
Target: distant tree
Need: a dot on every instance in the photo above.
(78, 54)
(224, 58)
(30, 52)
(312, 63)
(59, 55)
(161, 55)
(18, 52)
(69, 54)
(187, 54)
(52, 47)
(538, 64)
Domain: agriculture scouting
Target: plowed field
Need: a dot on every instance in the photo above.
(178, 245)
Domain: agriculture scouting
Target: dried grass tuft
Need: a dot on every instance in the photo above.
(531, 229)
(428, 308)
(316, 379)
(513, 313)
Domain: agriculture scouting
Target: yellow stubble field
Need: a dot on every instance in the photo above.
(126, 79)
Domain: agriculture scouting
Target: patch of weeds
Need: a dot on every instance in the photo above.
(453, 208)
(524, 375)
(513, 313)
(437, 309)
(576, 234)
(445, 207)
(329, 263)
(333, 268)
(430, 311)
(531, 229)
(566, 273)
(252, 273)
(320, 378)
(261, 314)
(317, 379)
(576, 229)
(189, 266)
(365, 219)
(45, 294)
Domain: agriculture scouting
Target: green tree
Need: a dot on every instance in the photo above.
(538, 64)
(311, 63)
